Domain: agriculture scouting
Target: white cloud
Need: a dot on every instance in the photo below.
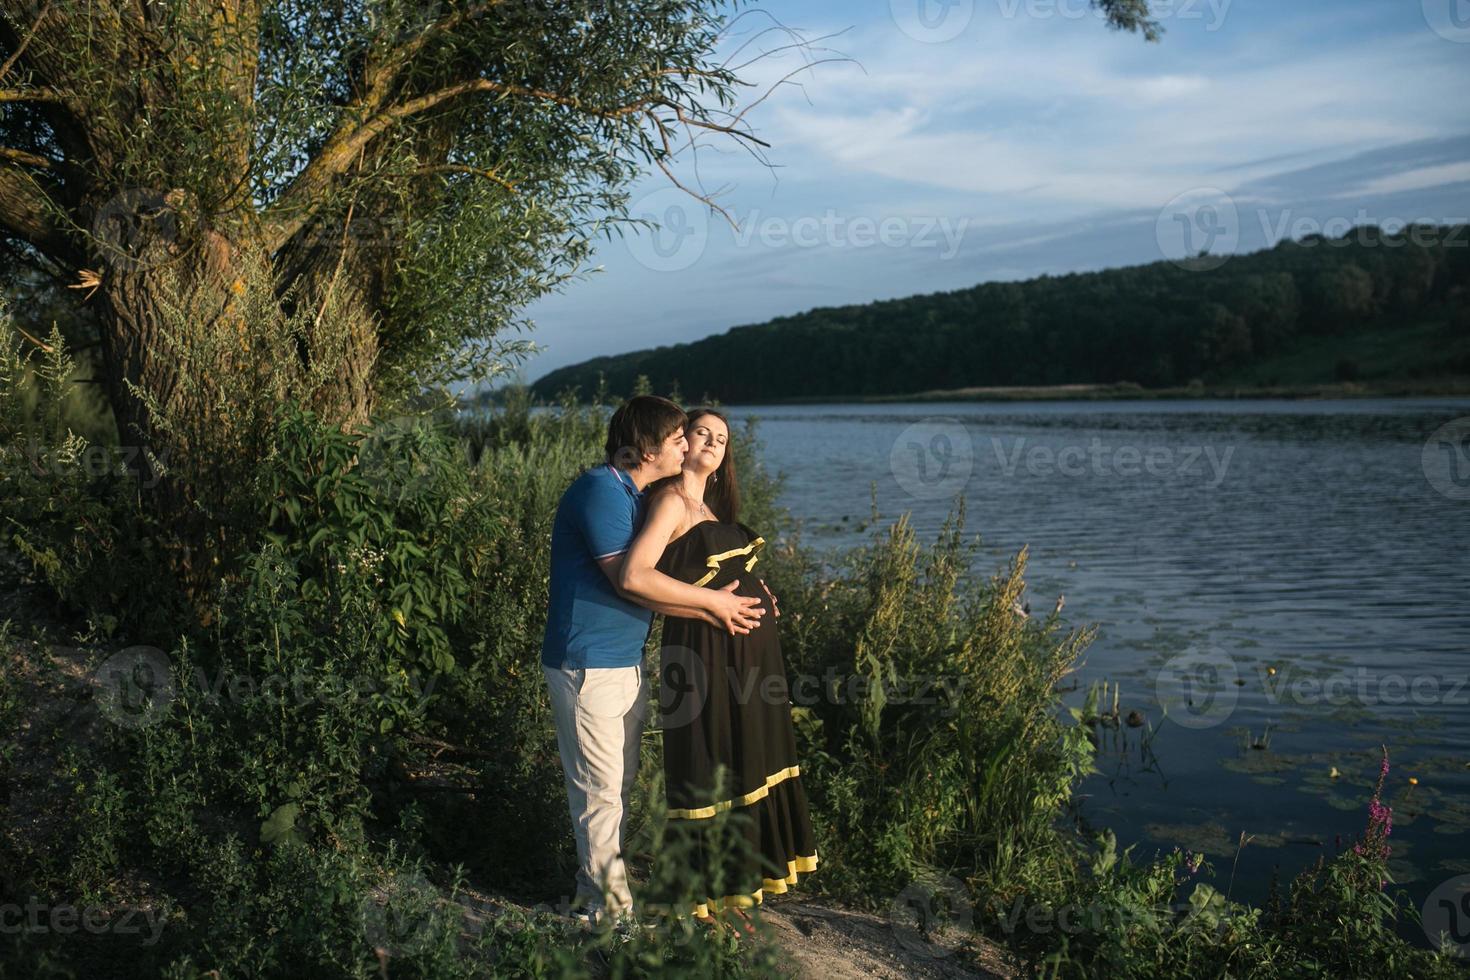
(1413, 180)
(1052, 117)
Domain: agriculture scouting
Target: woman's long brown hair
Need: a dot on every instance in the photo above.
(722, 492)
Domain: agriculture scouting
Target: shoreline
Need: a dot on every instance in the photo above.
(1410, 388)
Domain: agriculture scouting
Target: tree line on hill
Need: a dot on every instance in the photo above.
(1158, 325)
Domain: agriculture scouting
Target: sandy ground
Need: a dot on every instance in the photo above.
(821, 940)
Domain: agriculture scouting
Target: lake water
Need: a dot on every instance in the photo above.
(1212, 542)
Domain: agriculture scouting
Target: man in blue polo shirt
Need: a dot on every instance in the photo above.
(592, 653)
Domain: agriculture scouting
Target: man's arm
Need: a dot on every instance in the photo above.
(612, 567)
(639, 580)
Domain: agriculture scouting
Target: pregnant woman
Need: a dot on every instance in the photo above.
(725, 701)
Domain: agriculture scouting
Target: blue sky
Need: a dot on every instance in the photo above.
(975, 140)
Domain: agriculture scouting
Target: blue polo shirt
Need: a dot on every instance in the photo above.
(588, 623)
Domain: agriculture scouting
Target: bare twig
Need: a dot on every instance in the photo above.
(21, 47)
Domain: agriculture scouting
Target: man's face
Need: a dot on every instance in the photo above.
(670, 458)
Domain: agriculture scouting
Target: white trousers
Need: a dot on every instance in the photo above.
(599, 715)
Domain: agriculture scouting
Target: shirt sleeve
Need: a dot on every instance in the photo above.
(605, 517)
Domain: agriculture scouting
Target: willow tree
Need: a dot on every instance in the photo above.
(338, 201)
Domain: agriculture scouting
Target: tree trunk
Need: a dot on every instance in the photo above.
(197, 354)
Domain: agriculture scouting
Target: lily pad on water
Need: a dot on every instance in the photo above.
(1416, 722)
(1210, 837)
(1456, 866)
(1404, 872)
(1258, 763)
(1348, 714)
(1339, 802)
(1403, 818)
(1453, 816)
(1441, 765)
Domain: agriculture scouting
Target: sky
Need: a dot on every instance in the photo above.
(929, 145)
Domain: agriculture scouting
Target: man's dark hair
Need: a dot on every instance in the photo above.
(640, 426)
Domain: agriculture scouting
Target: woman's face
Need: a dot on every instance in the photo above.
(707, 438)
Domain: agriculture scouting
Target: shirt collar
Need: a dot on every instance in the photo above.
(625, 480)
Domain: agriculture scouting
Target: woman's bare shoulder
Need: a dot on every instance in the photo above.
(664, 497)
(666, 506)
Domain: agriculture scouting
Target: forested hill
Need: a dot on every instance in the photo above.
(1156, 325)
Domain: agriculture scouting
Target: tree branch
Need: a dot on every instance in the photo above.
(380, 79)
(29, 95)
(298, 202)
(27, 158)
(26, 210)
(456, 168)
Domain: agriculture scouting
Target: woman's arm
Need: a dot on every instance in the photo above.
(634, 575)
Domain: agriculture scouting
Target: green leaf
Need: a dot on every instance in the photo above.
(281, 824)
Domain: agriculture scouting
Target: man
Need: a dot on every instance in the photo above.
(592, 653)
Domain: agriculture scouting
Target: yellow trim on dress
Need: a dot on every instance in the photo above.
(759, 793)
(713, 561)
(776, 886)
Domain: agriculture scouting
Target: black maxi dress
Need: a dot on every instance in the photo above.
(724, 700)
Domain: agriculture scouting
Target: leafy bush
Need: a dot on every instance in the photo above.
(945, 750)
